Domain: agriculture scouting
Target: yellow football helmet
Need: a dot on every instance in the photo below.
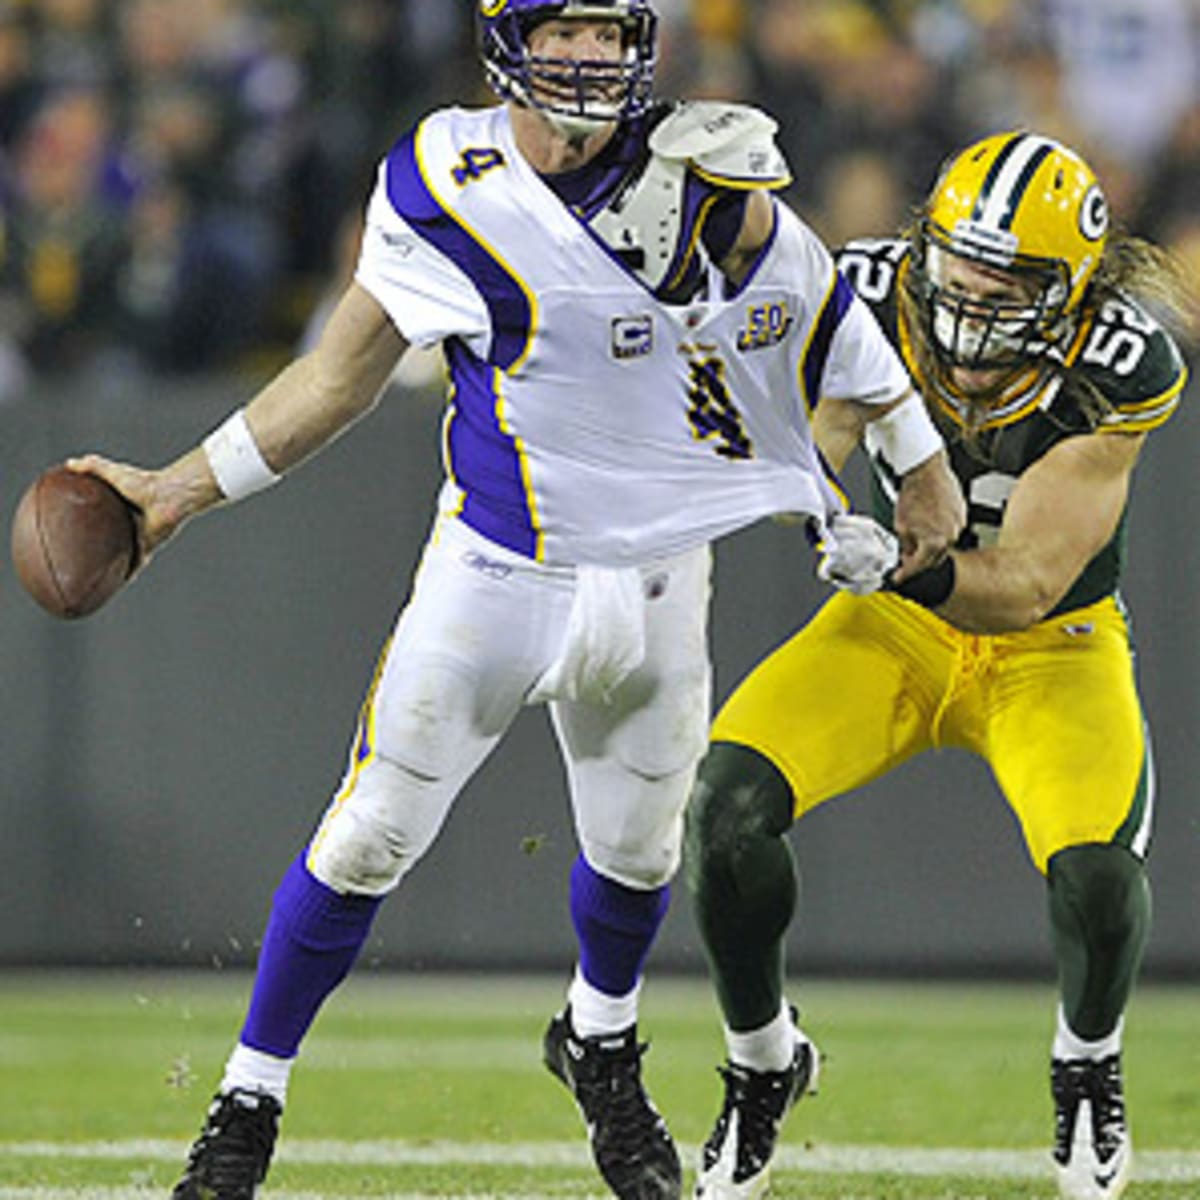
(1025, 209)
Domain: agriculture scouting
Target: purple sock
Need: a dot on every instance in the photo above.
(311, 942)
(615, 926)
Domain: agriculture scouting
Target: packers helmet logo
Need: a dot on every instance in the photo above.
(1093, 214)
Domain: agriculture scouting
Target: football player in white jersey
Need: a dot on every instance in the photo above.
(636, 331)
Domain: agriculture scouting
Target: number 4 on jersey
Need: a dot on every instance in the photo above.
(712, 412)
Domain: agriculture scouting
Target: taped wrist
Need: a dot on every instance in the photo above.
(904, 437)
(930, 587)
(235, 460)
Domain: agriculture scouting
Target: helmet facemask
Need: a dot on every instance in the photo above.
(579, 96)
(983, 333)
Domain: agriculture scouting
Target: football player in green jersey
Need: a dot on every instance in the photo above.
(1027, 325)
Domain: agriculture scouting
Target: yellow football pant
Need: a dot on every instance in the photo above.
(871, 681)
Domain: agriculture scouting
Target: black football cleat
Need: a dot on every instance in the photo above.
(735, 1162)
(629, 1138)
(1092, 1151)
(231, 1156)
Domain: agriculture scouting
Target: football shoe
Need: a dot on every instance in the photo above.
(230, 1157)
(735, 1162)
(629, 1138)
(1092, 1150)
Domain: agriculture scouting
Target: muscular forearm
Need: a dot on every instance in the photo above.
(304, 408)
(996, 591)
(296, 414)
(307, 405)
(1064, 510)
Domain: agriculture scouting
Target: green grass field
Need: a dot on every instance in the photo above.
(432, 1086)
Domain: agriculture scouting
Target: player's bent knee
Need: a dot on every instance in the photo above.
(739, 797)
(630, 823)
(1103, 885)
(373, 836)
(642, 862)
(350, 857)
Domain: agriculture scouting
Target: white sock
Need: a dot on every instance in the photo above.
(257, 1072)
(594, 1013)
(770, 1047)
(1068, 1044)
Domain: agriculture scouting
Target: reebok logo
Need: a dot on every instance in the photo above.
(486, 566)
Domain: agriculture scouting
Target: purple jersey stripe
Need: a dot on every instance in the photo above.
(484, 459)
(835, 481)
(687, 267)
(508, 305)
(816, 355)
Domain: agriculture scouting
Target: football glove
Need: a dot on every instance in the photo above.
(857, 554)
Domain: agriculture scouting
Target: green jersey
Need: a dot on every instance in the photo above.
(1119, 349)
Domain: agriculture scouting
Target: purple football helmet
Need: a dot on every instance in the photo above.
(588, 90)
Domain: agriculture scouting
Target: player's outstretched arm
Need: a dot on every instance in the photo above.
(930, 509)
(930, 515)
(302, 409)
(1063, 511)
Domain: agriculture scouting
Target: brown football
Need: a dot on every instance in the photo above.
(74, 542)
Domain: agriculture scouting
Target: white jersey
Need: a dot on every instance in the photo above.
(588, 421)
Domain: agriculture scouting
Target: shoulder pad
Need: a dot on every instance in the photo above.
(1135, 363)
(730, 144)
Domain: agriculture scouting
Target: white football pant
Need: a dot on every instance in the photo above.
(480, 629)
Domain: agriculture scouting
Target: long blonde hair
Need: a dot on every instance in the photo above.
(1153, 275)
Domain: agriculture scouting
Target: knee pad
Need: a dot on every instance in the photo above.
(378, 828)
(641, 851)
(739, 798)
(1101, 890)
(629, 824)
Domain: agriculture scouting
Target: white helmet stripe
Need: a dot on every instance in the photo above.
(1006, 183)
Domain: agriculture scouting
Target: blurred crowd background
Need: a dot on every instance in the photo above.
(181, 181)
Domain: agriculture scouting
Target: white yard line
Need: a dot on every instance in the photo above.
(117, 1193)
(1159, 1166)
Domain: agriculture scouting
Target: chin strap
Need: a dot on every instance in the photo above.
(574, 129)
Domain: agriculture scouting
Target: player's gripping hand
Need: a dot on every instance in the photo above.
(161, 500)
(930, 515)
(857, 554)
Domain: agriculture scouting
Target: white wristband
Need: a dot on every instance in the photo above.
(235, 459)
(906, 436)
